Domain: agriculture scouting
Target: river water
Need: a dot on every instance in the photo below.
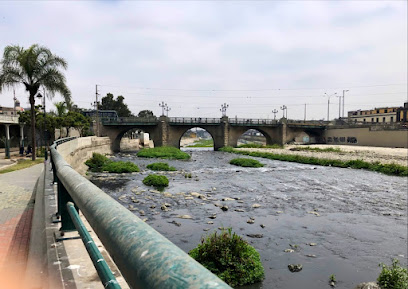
(355, 218)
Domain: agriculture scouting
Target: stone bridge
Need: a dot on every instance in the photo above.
(165, 131)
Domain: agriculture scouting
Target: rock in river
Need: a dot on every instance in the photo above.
(295, 267)
(255, 235)
(256, 206)
(184, 217)
(369, 285)
(224, 208)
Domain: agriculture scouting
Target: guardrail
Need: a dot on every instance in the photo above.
(9, 118)
(129, 120)
(193, 120)
(249, 122)
(145, 258)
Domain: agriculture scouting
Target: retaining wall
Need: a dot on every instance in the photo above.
(77, 151)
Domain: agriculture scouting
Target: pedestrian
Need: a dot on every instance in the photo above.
(29, 150)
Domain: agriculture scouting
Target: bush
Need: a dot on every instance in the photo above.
(160, 167)
(97, 162)
(245, 162)
(393, 277)
(100, 163)
(230, 257)
(120, 167)
(156, 181)
(163, 153)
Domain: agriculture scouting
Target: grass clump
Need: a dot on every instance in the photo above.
(311, 149)
(246, 162)
(393, 277)
(163, 153)
(230, 257)
(156, 181)
(100, 163)
(388, 169)
(21, 164)
(260, 146)
(160, 167)
(202, 143)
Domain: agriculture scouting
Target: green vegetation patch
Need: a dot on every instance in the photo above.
(230, 257)
(393, 277)
(163, 153)
(388, 169)
(311, 149)
(21, 164)
(160, 167)
(202, 143)
(259, 146)
(157, 181)
(246, 162)
(100, 163)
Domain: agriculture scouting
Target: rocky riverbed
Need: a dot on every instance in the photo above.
(368, 154)
(328, 220)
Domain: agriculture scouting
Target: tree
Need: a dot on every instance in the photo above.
(109, 103)
(61, 108)
(34, 67)
(146, 113)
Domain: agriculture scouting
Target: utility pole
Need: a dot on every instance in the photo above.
(344, 91)
(328, 104)
(167, 109)
(339, 96)
(305, 113)
(163, 106)
(274, 111)
(97, 110)
(224, 109)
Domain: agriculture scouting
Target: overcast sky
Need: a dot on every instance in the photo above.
(195, 56)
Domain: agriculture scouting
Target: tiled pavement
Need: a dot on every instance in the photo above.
(16, 209)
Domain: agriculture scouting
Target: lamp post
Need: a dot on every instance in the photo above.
(274, 111)
(328, 103)
(163, 106)
(167, 109)
(344, 91)
(283, 108)
(224, 109)
(39, 95)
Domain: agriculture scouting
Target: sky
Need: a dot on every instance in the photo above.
(254, 56)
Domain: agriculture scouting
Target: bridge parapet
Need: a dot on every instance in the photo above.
(130, 121)
(252, 122)
(194, 120)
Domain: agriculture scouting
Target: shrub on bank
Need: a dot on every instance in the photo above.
(310, 149)
(230, 257)
(246, 162)
(160, 167)
(393, 277)
(388, 169)
(163, 153)
(100, 163)
(156, 181)
(260, 146)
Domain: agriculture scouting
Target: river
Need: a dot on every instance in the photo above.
(355, 219)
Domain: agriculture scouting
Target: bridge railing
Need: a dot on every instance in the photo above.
(145, 258)
(249, 121)
(9, 118)
(193, 120)
(119, 120)
(308, 122)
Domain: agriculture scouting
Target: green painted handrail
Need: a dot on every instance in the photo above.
(145, 258)
(107, 278)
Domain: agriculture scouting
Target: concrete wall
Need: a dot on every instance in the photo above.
(77, 151)
(367, 137)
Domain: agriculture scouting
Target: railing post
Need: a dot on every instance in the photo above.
(63, 199)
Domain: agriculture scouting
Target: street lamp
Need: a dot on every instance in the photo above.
(167, 109)
(328, 103)
(275, 111)
(344, 91)
(163, 106)
(224, 109)
(39, 95)
(283, 107)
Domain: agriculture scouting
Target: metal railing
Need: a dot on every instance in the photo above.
(129, 120)
(249, 121)
(194, 120)
(145, 258)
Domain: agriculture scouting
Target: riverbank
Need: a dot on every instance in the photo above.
(382, 155)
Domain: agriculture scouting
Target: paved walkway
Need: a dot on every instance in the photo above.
(16, 209)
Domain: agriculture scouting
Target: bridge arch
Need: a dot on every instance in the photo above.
(199, 136)
(177, 132)
(271, 134)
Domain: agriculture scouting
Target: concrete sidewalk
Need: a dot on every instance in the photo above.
(16, 209)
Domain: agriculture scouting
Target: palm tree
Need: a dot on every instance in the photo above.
(33, 67)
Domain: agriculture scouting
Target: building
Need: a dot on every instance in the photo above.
(11, 110)
(377, 115)
(402, 113)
